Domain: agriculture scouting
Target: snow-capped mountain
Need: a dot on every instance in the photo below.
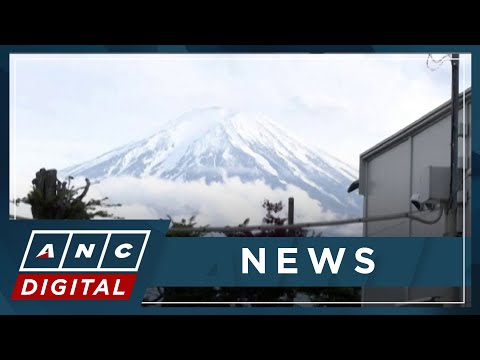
(214, 144)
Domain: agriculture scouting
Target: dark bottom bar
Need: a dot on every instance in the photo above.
(252, 296)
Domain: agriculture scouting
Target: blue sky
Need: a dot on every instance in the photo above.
(71, 108)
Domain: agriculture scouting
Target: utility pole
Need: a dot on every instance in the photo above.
(451, 220)
(291, 210)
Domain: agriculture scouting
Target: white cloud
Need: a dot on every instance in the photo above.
(217, 204)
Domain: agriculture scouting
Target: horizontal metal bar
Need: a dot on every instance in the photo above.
(308, 224)
(204, 229)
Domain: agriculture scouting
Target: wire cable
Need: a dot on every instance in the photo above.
(438, 62)
(429, 221)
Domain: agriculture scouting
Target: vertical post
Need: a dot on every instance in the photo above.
(452, 204)
(290, 232)
(451, 220)
(290, 210)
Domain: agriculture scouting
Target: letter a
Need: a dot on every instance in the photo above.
(46, 252)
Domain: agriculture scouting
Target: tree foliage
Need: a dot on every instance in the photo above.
(52, 199)
(182, 224)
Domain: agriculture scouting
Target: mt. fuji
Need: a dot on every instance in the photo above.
(214, 144)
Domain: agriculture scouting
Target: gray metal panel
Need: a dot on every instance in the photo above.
(430, 148)
(362, 177)
(388, 190)
(363, 180)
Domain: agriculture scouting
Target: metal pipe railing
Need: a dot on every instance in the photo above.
(400, 215)
(312, 224)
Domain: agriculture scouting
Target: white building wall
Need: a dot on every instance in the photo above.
(392, 175)
(388, 184)
(430, 147)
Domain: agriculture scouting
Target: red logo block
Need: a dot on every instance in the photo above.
(73, 286)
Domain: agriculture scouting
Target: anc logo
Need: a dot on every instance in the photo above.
(80, 264)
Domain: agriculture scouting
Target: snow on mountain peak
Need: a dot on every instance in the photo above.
(215, 143)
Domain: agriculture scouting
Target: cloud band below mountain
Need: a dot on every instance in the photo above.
(217, 204)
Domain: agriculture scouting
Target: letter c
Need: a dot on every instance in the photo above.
(120, 254)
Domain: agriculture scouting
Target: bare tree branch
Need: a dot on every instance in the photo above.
(84, 192)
